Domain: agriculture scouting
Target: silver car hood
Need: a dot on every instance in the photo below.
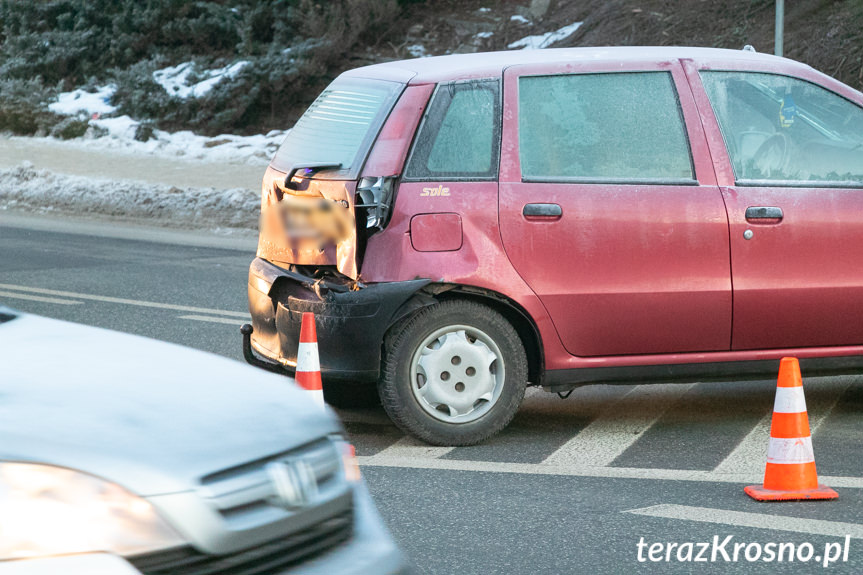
(148, 415)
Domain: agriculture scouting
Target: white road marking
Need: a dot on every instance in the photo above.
(750, 455)
(124, 301)
(8, 294)
(758, 520)
(578, 471)
(212, 319)
(619, 426)
(409, 447)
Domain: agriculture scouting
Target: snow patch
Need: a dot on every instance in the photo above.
(122, 127)
(483, 35)
(540, 41)
(174, 79)
(417, 51)
(82, 101)
(119, 131)
(519, 18)
(29, 190)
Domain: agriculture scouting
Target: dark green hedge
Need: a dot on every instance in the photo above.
(294, 48)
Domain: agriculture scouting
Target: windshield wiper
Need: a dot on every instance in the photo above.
(310, 167)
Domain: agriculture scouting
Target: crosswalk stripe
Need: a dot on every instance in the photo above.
(409, 447)
(757, 520)
(579, 471)
(618, 427)
(750, 454)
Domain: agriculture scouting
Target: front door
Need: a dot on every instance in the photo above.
(609, 208)
(795, 209)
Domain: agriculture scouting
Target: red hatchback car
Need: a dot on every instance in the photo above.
(464, 226)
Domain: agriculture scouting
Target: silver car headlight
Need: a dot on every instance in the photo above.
(46, 510)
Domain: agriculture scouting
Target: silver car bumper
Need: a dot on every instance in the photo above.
(371, 551)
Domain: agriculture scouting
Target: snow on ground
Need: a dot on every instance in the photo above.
(255, 150)
(120, 130)
(32, 191)
(81, 101)
(520, 19)
(174, 79)
(545, 40)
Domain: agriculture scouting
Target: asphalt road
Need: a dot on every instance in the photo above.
(570, 487)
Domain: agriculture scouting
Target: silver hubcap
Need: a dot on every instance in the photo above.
(457, 374)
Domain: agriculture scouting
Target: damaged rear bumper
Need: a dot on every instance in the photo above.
(350, 323)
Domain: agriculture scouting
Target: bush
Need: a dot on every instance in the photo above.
(144, 131)
(138, 95)
(23, 106)
(70, 127)
(294, 48)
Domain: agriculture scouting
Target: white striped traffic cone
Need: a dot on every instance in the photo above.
(308, 365)
(790, 472)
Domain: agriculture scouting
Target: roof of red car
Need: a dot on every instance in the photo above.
(487, 64)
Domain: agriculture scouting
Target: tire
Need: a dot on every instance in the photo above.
(351, 395)
(425, 360)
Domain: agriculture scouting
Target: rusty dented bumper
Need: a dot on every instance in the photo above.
(350, 323)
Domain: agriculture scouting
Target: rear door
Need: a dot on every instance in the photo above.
(795, 205)
(609, 207)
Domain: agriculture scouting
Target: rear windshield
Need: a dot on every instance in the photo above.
(339, 127)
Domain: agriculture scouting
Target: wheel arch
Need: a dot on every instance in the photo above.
(517, 316)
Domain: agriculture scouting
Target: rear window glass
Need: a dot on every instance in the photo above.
(616, 127)
(339, 127)
(460, 136)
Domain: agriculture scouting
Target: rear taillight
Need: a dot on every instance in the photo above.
(374, 197)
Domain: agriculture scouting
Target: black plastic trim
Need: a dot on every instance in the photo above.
(566, 379)
(252, 359)
(350, 323)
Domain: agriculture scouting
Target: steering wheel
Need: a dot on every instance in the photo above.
(772, 155)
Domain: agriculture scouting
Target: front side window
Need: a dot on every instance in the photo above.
(460, 136)
(614, 127)
(781, 130)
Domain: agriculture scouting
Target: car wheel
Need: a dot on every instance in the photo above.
(351, 395)
(453, 374)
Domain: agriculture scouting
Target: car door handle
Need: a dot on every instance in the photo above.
(763, 213)
(542, 211)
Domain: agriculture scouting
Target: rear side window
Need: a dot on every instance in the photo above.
(615, 127)
(460, 135)
(339, 127)
(781, 130)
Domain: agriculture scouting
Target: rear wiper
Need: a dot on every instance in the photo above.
(310, 168)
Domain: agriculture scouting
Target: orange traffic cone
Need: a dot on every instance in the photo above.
(790, 472)
(308, 365)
